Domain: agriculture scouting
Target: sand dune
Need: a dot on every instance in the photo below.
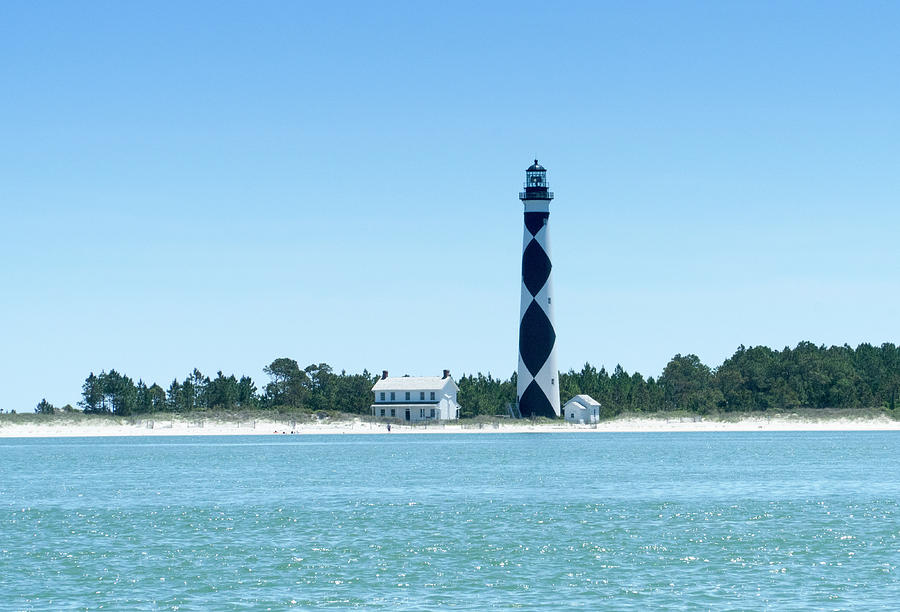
(210, 427)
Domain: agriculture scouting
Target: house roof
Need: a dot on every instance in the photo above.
(584, 400)
(412, 383)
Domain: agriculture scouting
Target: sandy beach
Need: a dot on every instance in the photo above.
(209, 427)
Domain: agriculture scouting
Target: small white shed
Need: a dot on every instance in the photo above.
(582, 409)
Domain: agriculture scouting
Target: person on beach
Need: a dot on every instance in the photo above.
(389, 428)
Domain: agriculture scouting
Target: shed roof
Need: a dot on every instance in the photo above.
(585, 400)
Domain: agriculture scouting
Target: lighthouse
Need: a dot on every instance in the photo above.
(538, 378)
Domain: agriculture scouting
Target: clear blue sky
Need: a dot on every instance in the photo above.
(215, 185)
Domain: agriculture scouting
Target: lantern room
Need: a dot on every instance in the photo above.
(536, 183)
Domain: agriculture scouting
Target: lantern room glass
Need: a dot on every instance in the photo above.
(536, 178)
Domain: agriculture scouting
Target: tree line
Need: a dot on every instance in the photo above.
(313, 388)
(752, 379)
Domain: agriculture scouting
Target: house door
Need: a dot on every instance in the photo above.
(407, 414)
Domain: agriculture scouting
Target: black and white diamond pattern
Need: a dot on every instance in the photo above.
(538, 390)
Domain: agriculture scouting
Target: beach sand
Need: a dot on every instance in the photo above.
(209, 427)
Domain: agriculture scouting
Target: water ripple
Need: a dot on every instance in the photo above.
(677, 521)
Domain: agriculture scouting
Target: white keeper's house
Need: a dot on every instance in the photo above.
(582, 409)
(416, 398)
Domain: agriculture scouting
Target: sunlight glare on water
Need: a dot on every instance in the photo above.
(786, 521)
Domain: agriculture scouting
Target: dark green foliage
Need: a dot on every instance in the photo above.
(45, 407)
(222, 391)
(157, 398)
(351, 393)
(316, 387)
(142, 404)
(485, 395)
(289, 383)
(246, 393)
(117, 394)
(173, 396)
(92, 394)
(110, 392)
(809, 377)
(687, 384)
(753, 379)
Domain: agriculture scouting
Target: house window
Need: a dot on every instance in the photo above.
(421, 395)
(382, 396)
(393, 412)
(392, 396)
(407, 396)
(432, 413)
(421, 413)
(382, 412)
(432, 395)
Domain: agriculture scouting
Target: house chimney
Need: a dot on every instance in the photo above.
(383, 374)
(446, 374)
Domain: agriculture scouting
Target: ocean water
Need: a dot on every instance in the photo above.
(740, 521)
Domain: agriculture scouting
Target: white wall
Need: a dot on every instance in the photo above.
(589, 414)
(447, 388)
(414, 395)
(445, 409)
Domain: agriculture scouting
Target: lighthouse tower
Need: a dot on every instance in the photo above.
(538, 378)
